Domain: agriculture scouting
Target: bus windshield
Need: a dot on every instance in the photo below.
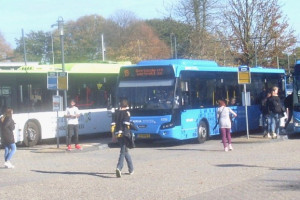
(148, 94)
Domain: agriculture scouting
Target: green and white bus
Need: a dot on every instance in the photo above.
(25, 91)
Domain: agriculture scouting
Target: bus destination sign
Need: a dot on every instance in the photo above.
(144, 72)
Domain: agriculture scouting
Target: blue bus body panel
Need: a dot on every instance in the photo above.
(296, 120)
(150, 125)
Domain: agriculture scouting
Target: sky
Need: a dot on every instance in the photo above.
(39, 15)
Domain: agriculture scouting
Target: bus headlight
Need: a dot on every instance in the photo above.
(167, 125)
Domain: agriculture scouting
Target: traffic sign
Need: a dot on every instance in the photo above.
(244, 75)
(62, 80)
(52, 81)
(57, 81)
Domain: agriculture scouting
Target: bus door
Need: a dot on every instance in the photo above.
(188, 115)
(5, 98)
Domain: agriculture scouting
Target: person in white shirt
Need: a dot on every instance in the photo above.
(223, 115)
(72, 115)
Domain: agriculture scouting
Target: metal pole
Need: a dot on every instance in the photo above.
(172, 56)
(246, 110)
(60, 23)
(25, 59)
(52, 49)
(175, 46)
(57, 125)
(255, 53)
(103, 48)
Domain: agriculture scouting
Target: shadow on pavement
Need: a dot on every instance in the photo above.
(102, 175)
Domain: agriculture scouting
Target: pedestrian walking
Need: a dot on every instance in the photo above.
(276, 111)
(121, 127)
(8, 139)
(265, 116)
(72, 115)
(224, 120)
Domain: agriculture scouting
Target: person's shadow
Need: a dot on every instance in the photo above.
(102, 175)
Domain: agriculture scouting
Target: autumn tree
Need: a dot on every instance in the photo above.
(168, 30)
(257, 31)
(83, 39)
(6, 51)
(136, 40)
(200, 15)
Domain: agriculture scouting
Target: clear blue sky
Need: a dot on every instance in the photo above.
(34, 15)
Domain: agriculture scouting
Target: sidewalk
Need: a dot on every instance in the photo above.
(86, 144)
(97, 143)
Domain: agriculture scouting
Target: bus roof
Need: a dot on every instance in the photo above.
(73, 68)
(203, 65)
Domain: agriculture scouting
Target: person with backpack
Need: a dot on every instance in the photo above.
(265, 115)
(121, 128)
(276, 110)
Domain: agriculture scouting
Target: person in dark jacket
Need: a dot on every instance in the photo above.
(276, 110)
(8, 140)
(288, 103)
(121, 127)
(265, 115)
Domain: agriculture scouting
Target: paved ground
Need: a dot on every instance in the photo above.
(258, 168)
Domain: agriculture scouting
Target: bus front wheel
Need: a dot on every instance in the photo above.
(202, 132)
(32, 134)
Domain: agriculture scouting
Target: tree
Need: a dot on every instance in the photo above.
(166, 29)
(6, 51)
(200, 15)
(83, 39)
(135, 40)
(257, 31)
(142, 43)
(37, 46)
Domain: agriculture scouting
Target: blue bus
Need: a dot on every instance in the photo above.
(177, 98)
(296, 97)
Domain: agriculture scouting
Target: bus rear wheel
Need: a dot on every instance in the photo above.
(32, 134)
(202, 132)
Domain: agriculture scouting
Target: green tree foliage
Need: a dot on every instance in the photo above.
(37, 46)
(167, 29)
(83, 39)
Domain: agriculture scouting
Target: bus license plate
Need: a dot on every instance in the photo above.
(143, 135)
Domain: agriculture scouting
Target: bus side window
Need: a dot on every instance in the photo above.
(185, 93)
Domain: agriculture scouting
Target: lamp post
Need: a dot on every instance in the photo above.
(52, 49)
(60, 24)
(175, 45)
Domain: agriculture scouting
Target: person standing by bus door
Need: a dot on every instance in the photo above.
(8, 140)
(121, 124)
(265, 116)
(276, 110)
(72, 115)
(223, 115)
(288, 103)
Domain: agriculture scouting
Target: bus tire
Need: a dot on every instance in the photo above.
(202, 132)
(32, 134)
